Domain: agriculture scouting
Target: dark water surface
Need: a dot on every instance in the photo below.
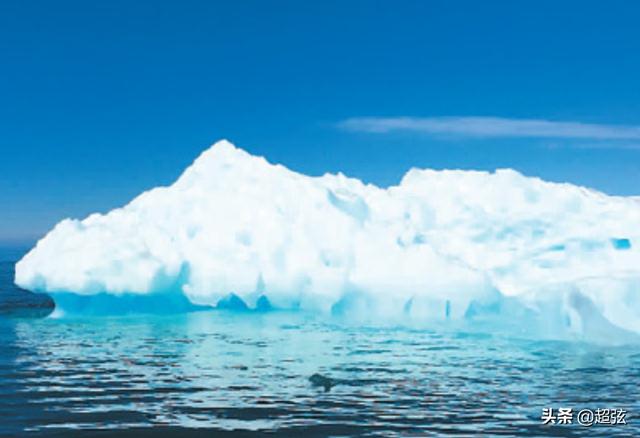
(216, 373)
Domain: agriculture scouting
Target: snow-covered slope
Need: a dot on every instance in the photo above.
(441, 245)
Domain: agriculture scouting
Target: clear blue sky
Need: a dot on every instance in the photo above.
(102, 100)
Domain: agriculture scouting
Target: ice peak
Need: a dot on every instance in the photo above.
(222, 160)
(222, 150)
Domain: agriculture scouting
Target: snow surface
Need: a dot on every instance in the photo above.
(441, 245)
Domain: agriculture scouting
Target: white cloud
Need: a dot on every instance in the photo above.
(492, 127)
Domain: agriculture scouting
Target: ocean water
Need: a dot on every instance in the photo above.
(220, 373)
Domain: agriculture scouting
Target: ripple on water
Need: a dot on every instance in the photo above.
(251, 372)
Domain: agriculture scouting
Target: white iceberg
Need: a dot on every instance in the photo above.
(441, 245)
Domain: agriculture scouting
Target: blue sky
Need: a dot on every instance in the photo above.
(102, 100)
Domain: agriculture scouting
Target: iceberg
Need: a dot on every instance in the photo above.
(445, 245)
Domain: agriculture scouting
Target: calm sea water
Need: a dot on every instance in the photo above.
(213, 373)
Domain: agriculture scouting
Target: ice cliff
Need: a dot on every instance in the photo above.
(441, 245)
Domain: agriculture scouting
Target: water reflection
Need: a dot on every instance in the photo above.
(225, 371)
